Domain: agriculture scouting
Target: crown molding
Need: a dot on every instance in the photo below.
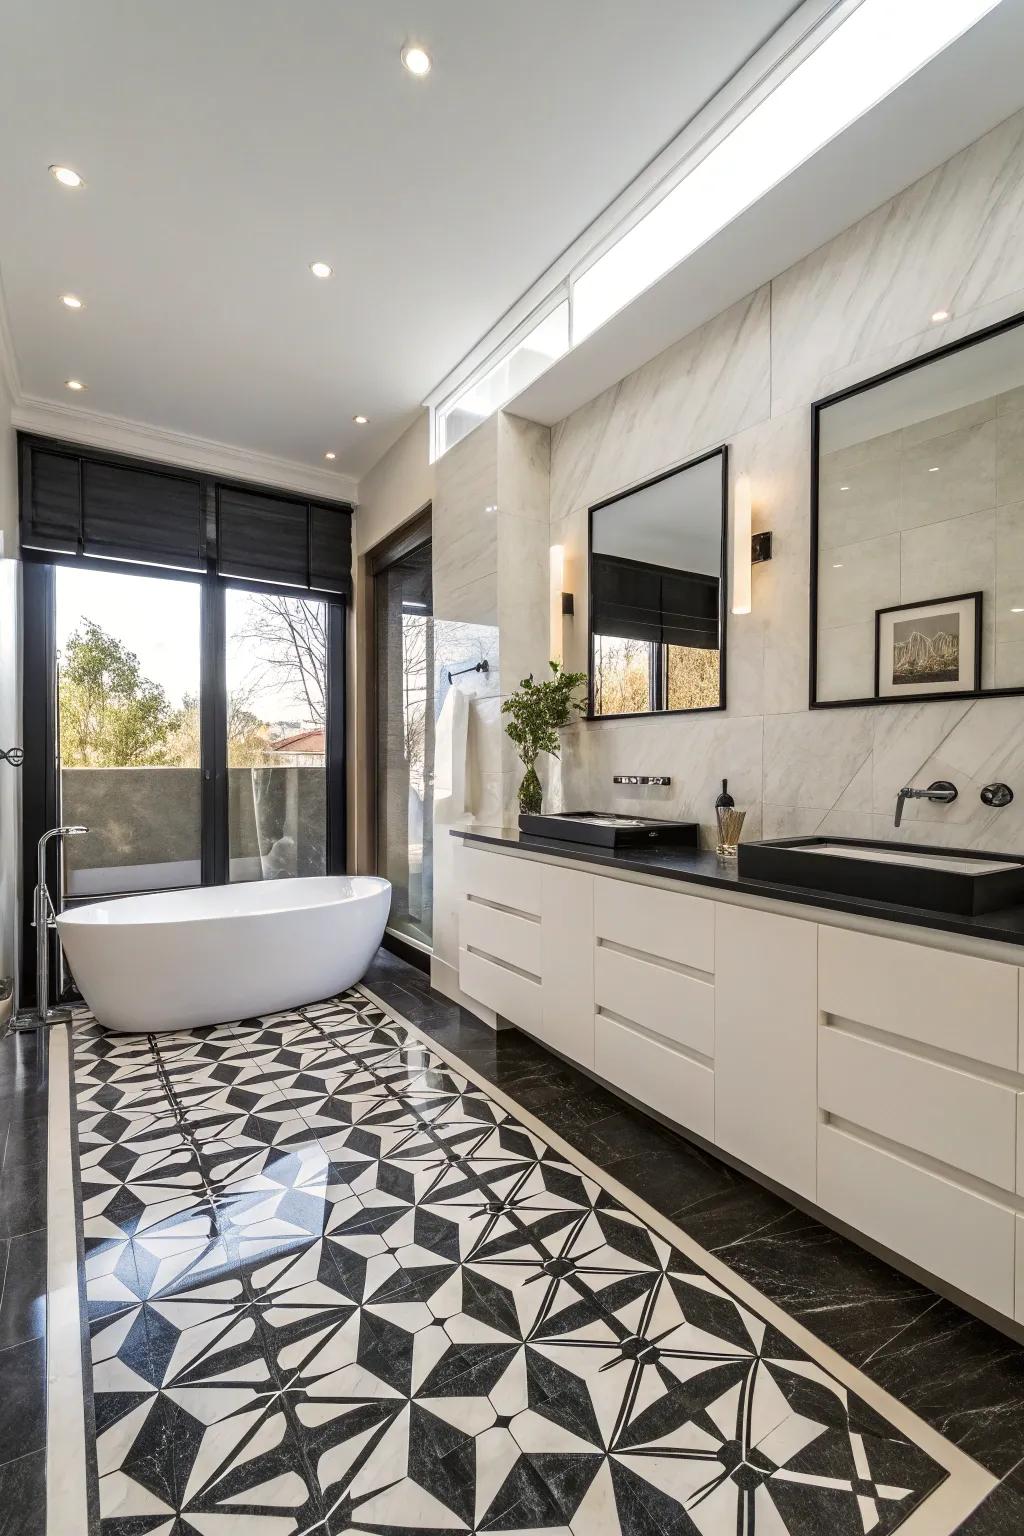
(117, 434)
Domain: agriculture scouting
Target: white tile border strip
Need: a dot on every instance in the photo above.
(968, 1482)
(67, 1500)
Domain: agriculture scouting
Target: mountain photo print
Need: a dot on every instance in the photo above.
(929, 648)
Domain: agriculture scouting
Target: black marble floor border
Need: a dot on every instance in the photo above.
(961, 1376)
(23, 1252)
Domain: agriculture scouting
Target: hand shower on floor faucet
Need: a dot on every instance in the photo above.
(44, 921)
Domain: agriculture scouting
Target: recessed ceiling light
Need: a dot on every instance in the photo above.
(1017, 610)
(934, 469)
(321, 269)
(939, 316)
(416, 60)
(75, 384)
(844, 487)
(330, 455)
(71, 301)
(361, 421)
(491, 508)
(838, 565)
(66, 176)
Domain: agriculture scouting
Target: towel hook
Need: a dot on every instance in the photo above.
(481, 666)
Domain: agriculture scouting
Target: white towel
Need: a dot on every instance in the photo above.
(451, 747)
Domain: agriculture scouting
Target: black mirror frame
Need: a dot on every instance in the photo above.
(723, 602)
(972, 340)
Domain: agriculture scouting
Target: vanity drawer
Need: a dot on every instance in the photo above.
(671, 1003)
(505, 935)
(952, 1232)
(656, 1075)
(505, 878)
(954, 1002)
(963, 1120)
(656, 922)
(515, 997)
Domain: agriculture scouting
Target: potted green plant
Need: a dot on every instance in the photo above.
(538, 711)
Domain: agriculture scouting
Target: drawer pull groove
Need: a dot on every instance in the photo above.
(644, 1033)
(965, 1181)
(707, 977)
(506, 965)
(935, 1054)
(497, 906)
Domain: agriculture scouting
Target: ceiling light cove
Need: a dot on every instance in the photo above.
(361, 421)
(71, 301)
(74, 384)
(66, 176)
(416, 60)
(321, 269)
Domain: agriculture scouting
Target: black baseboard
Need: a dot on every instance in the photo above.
(411, 953)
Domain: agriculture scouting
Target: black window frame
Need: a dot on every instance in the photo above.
(659, 664)
(41, 786)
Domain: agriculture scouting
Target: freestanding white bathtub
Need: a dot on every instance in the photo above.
(182, 959)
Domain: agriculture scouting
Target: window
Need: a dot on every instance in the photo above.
(128, 679)
(276, 656)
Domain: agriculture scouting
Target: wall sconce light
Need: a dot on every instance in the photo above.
(748, 548)
(562, 604)
(742, 513)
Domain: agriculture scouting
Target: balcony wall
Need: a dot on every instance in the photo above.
(145, 826)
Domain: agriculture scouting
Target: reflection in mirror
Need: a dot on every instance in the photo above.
(656, 594)
(919, 526)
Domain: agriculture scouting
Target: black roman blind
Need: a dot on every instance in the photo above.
(79, 502)
(632, 600)
(262, 537)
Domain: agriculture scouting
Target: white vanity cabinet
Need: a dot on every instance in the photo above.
(654, 991)
(918, 1142)
(879, 1077)
(766, 1044)
(526, 947)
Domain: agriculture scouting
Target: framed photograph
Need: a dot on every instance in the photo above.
(928, 648)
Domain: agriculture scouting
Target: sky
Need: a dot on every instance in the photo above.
(158, 619)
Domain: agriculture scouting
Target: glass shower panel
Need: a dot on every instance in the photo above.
(405, 740)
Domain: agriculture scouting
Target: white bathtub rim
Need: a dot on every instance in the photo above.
(114, 912)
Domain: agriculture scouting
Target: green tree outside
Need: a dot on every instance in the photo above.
(111, 715)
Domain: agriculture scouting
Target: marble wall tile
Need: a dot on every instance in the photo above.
(811, 759)
(951, 240)
(465, 549)
(859, 501)
(949, 421)
(949, 476)
(1010, 455)
(940, 559)
(699, 393)
(856, 579)
(846, 662)
(524, 469)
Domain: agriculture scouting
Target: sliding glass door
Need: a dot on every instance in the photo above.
(277, 690)
(128, 674)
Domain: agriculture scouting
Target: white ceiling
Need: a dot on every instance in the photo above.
(227, 145)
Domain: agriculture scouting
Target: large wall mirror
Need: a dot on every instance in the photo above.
(917, 562)
(657, 585)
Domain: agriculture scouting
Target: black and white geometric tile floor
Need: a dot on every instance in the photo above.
(334, 1285)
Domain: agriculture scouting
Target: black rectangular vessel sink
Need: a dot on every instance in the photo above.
(601, 829)
(906, 874)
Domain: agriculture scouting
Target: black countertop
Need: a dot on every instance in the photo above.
(696, 867)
